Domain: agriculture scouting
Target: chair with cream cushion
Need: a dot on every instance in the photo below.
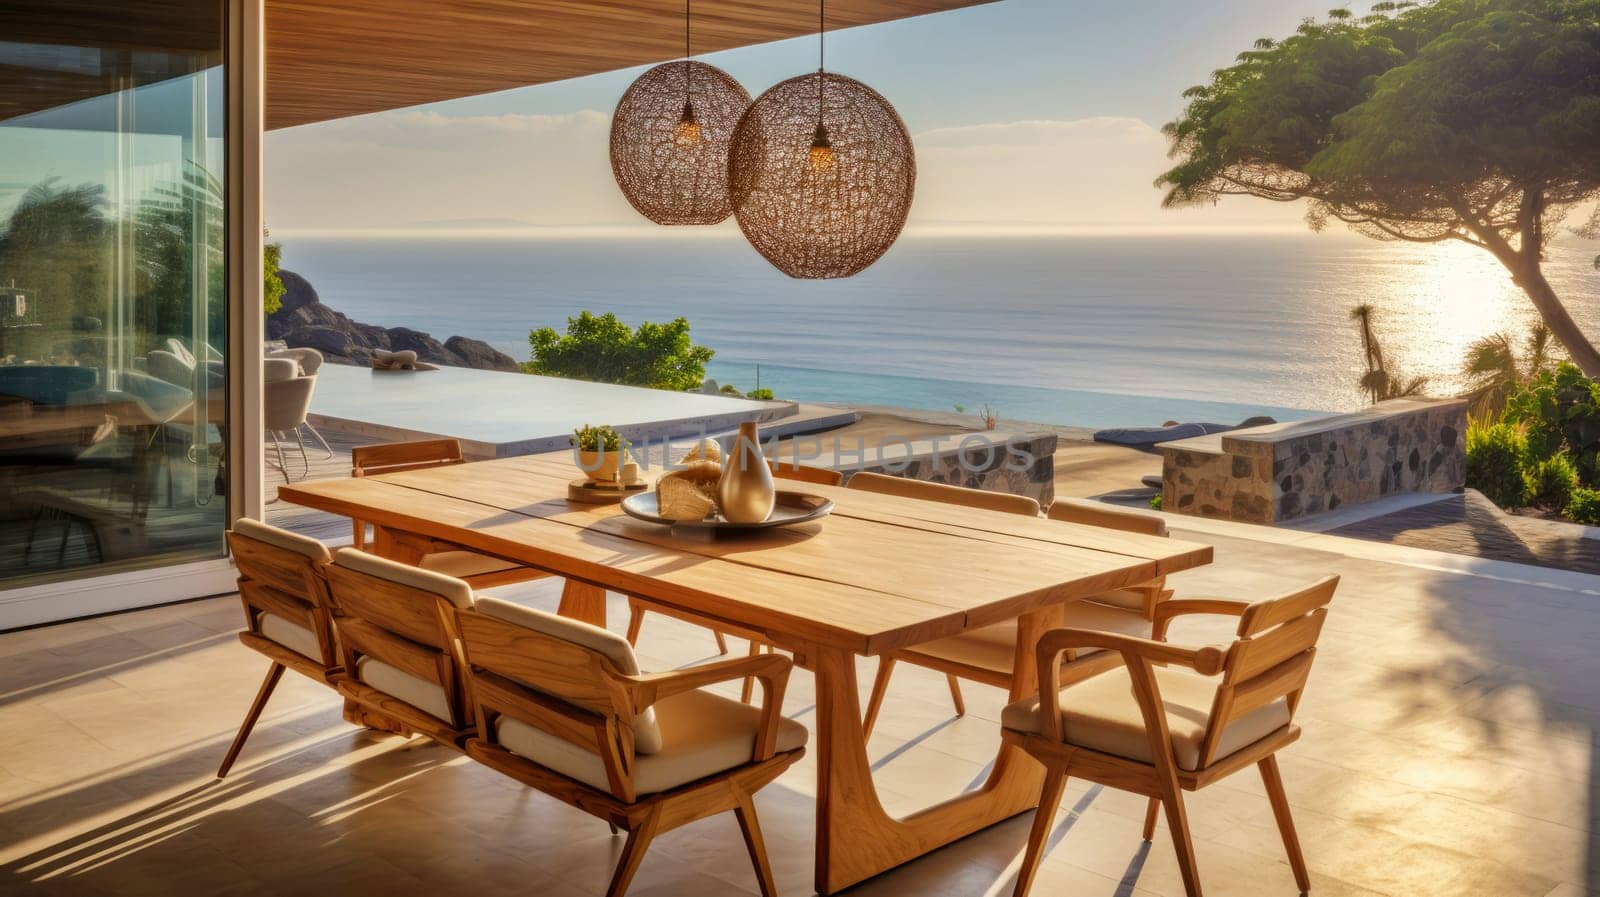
(396, 630)
(285, 611)
(1170, 719)
(988, 655)
(563, 707)
(482, 571)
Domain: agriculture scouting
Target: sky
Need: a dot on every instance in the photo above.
(1025, 114)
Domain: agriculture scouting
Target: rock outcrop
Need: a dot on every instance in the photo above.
(304, 321)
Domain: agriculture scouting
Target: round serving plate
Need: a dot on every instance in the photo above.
(788, 509)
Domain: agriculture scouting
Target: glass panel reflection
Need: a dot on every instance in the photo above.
(112, 292)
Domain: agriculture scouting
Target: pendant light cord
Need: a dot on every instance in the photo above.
(686, 47)
(822, 51)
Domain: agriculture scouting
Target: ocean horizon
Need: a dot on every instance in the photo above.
(1068, 329)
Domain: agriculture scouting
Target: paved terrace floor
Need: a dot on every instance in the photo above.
(1450, 749)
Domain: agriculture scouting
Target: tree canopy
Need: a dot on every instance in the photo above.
(604, 349)
(1475, 121)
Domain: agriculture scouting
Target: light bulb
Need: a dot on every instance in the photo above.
(687, 130)
(822, 157)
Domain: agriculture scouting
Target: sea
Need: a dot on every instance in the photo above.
(1097, 330)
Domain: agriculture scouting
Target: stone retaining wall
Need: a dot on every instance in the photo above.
(1018, 463)
(1284, 471)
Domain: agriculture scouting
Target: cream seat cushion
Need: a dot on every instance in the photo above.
(282, 538)
(462, 564)
(1102, 714)
(615, 648)
(449, 588)
(995, 647)
(702, 734)
(291, 635)
(395, 682)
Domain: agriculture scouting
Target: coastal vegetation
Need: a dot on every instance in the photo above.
(1380, 381)
(272, 283)
(604, 349)
(1542, 449)
(1470, 121)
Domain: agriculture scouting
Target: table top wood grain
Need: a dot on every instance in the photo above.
(882, 572)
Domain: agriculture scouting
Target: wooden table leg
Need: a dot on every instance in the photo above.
(582, 601)
(856, 838)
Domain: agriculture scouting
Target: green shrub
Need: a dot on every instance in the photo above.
(1551, 482)
(1495, 456)
(1584, 507)
(604, 349)
(1560, 411)
(763, 394)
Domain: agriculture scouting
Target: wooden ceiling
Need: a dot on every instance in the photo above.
(330, 59)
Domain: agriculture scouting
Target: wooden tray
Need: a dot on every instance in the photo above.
(589, 492)
(788, 509)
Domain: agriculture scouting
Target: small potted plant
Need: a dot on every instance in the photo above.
(601, 452)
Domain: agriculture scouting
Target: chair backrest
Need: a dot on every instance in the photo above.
(280, 573)
(940, 492)
(276, 369)
(822, 476)
(1094, 513)
(563, 677)
(285, 403)
(397, 457)
(402, 616)
(1271, 658)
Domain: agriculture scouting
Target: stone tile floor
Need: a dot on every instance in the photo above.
(1450, 749)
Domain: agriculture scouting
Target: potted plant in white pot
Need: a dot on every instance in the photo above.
(601, 452)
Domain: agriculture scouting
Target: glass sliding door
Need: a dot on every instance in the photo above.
(113, 288)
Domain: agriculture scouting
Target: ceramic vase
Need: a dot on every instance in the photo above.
(746, 491)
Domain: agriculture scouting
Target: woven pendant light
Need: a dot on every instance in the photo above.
(822, 172)
(669, 140)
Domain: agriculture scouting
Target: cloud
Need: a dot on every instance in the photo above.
(1079, 173)
(553, 170)
(398, 167)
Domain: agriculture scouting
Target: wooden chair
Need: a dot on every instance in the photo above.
(562, 707)
(1154, 727)
(988, 655)
(285, 612)
(783, 470)
(1144, 596)
(398, 643)
(481, 571)
(954, 495)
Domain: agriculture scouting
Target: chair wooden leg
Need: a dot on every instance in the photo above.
(1178, 822)
(955, 695)
(635, 620)
(274, 673)
(633, 853)
(722, 642)
(1280, 810)
(1055, 783)
(880, 687)
(1150, 814)
(753, 842)
(750, 681)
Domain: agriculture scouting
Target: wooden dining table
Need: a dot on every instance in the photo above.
(880, 573)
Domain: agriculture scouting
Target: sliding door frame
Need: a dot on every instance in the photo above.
(244, 70)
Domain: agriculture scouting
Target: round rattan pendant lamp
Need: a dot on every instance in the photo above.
(669, 139)
(822, 172)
